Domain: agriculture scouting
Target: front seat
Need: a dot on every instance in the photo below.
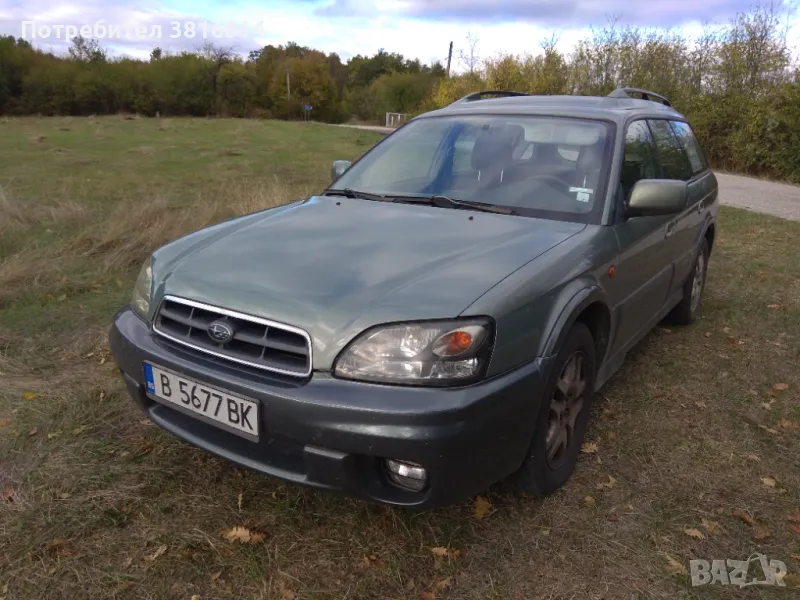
(492, 153)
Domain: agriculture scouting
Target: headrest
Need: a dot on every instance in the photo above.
(493, 146)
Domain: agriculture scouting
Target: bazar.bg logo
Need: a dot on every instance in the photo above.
(738, 572)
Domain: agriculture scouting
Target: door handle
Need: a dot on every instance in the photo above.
(700, 207)
(670, 229)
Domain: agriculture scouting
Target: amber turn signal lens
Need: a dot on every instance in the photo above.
(456, 343)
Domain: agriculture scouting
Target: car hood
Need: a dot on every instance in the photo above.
(334, 266)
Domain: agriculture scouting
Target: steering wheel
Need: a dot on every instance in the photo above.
(552, 178)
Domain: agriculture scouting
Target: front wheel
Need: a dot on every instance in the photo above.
(563, 416)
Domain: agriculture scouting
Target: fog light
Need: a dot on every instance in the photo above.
(408, 475)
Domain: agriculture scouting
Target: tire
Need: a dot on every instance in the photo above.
(689, 308)
(548, 467)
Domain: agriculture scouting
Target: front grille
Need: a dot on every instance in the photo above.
(256, 342)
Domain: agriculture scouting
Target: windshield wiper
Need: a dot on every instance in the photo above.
(447, 202)
(349, 193)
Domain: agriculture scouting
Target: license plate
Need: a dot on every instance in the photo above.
(217, 407)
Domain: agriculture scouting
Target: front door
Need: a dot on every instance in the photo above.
(641, 285)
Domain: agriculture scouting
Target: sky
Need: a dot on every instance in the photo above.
(419, 29)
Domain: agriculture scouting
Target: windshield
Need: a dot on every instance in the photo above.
(548, 167)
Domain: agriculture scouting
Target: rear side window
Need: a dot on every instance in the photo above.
(674, 162)
(694, 152)
(639, 160)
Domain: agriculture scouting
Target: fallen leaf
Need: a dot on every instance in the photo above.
(589, 501)
(33, 432)
(612, 435)
(29, 395)
(8, 494)
(767, 405)
(694, 533)
(795, 528)
(776, 306)
(428, 595)
(102, 395)
(785, 423)
(215, 576)
(795, 518)
(5, 422)
(545, 531)
(439, 551)
(792, 578)
(242, 535)
(760, 533)
(154, 556)
(710, 526)
(700, 405)
(708, 334)
(606, 485)
(745, 517)
(780, 386)
(612, 518)
(90, 355)
(287, 594)
(482, 507)
(444, 583)
(53, 435)
(589, 447)
(752, 457)
(56, 543)
(768, 481)
(673, 566)
(81, 430)
(64, 495)
(628, 507)
(239, 501)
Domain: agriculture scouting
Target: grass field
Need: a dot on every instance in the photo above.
(697, 438)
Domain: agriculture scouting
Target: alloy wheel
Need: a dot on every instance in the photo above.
(697, 282)
(565, 407)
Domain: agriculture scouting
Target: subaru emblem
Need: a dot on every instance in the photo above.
(220, 331)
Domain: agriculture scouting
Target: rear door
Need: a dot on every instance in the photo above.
(640, 287)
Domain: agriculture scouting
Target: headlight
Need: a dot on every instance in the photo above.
(429, 353)
(140, 299)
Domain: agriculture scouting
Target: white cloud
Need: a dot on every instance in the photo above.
(299, 22)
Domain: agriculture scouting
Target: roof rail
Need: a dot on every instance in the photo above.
(497, 93)
(625, 92)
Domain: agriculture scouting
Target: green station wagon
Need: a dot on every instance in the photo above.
(439, 319)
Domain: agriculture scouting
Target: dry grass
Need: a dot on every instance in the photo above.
(90, 491)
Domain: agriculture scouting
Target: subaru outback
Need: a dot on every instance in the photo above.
(439, 318)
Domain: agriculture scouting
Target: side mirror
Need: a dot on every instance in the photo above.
(338, 168)
(653, 197)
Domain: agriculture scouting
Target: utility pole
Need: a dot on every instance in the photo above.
(288, 85)
(449, 58)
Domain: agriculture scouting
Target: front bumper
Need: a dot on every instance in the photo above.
(334, 434)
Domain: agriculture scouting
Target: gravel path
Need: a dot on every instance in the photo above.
(767, 197)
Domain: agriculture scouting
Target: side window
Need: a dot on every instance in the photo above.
(463, 149)
(404, 161)
(638, 161)
(694, 152)
(674, 162)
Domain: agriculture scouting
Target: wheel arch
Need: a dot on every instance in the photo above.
(590, 307)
